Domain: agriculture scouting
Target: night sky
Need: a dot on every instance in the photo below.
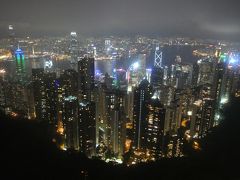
(198, 18)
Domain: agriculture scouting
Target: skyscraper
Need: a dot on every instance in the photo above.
(20, 67)
(87, 127)
(45, 96)
(155, 128)
(70, 122)
(142, 96)
(86, 73)
(69, 82)
(74, 51)
(39, 93)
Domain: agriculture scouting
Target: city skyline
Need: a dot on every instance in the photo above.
(120, 89)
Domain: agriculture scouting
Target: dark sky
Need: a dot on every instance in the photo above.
(199, 18)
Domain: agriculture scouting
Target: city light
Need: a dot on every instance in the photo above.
(135, 66)
(224, 100)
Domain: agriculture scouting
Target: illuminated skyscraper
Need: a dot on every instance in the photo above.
(20, 66)
(12, 38)
(142, 96)
(87, 127)
(39, 94)
(74, 51)
(45, 96)
(155, 127)
(218, 84)
(70, 122)
(86, 72)
(158, 57)
(69, 81)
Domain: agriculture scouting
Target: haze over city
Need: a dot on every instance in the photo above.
(130, 89)
(198, 18)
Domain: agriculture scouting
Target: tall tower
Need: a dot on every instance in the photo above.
(39, 94)
(87, 127)
(155, 119)
(11, 34)
(86, 78)
(20, 66)
(157, 71)
(70, 122)
(158, 57)
(73, 50)
(142, 96)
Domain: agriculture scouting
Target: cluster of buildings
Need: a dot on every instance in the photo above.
(136, 114)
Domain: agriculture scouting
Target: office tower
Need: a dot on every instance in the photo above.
(74, 51)
(158, 57)
(70, 122)
(86, 72)
(12, 38)
(142, 96)
(155, 128)
(20, 67)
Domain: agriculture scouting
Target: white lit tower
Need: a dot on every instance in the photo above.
(11, 34)
(73, 50)
(158, 57)
(157, 71)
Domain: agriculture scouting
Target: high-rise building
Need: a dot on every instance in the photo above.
(51, 91)
(74, 51)
(155, 128)
(87, 127)
(86, 74)
(142, 96)
(13, 43)
(158, 57)
(20, 67)
(70, 122)
(45, 95)
(69, 81)
(39, 94)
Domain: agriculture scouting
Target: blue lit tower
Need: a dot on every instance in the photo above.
(20, 66)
